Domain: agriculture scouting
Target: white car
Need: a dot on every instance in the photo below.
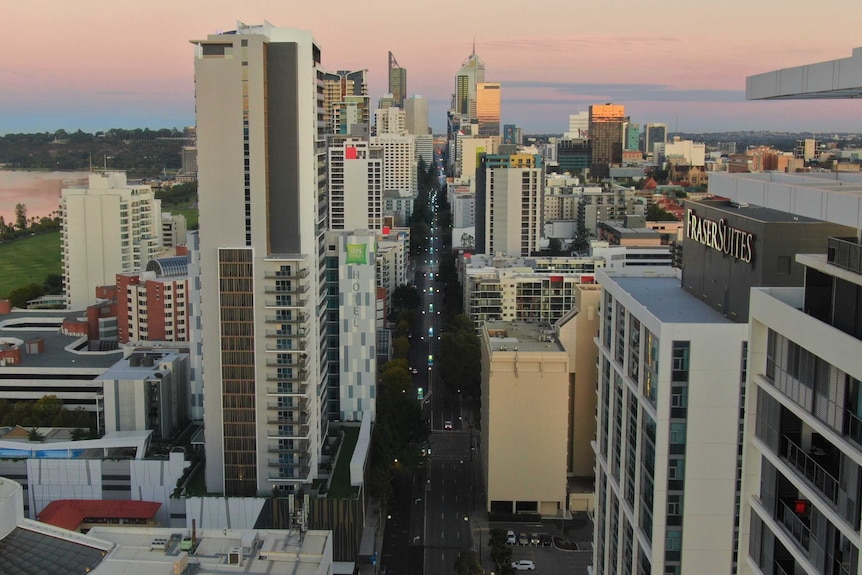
(414, 371)
(510, 538)
(447, 425)
(523, 565)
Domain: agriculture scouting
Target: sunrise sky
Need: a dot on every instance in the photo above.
(97, 64)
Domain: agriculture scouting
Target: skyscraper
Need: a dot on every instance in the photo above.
(488, 108)
(472, 72)
(654, 134)
(606, 136)
(416, 108)
(397, 81)
(263, 216)
(342, 86)
(355, 184)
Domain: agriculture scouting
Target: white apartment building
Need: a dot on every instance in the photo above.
(424, 149)
(355, 184)
(513, 210)
(109, 227)
(392, 263)
(468, 149)
(670, 388)
(523, 289)
(463, 210)
(261, 160)
(598, 204)
(390, 121)
(174, 230)
(399, 162)
(680, 153)
(802, 448)
(398, 205)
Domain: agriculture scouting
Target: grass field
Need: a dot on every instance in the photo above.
(190, 214)
(29, 260)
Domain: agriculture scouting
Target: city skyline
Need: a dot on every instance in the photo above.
(101, 65)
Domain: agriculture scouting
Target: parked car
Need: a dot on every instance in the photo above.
(534, 539)
(523, 565)
(447, 425)
(510, 538)
(523, 539)
(546, 539)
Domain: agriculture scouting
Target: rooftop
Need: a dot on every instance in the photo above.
(665, 298)
(757, 213)
(61, 351)
(522, 336)
(70, 513)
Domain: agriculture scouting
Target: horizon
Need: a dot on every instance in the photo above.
(131, 67)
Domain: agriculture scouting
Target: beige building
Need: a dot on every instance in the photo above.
(109, 227)
(525, 392)
(488, 108)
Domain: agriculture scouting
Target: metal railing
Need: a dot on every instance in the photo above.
(795, 526)
(815, 473)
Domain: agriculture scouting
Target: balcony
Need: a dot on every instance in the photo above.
(845, 253)
(299, 360)
(295, 334)
(294, 275)
(293, 290)
(302, 461)
(293, 317)
(298, 376)
(281, 420)
(300, 473)
(797, 525)
(292, 302)
(299, 404)
(297, 431)
(807, 466)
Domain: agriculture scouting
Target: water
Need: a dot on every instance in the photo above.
(39, 191)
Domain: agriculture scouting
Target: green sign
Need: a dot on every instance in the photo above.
(356, 253)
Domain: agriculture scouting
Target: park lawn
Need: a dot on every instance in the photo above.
(29, 260)
(191, 215)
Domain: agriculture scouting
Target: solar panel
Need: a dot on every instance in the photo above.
(28, 552)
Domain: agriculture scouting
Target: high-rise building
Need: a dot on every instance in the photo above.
(391, 120)
(416, 108)
(397, 81)
(488, 108)
(633, 136)
(109, 227)
(653, 134)
(154, 302)
(579, 126)
(399, 162)
(512, 204)
(805, 149)
(512, 135)
(355, 184)
(351, 116)
(261, 160)
(606, 138)
(670, 373)
(338, 87)
(471, 74)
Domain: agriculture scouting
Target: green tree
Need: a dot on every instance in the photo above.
(467, 563)
(555, 246)
(657, 214)
(405, 296)
(21, 216)
(34, 435)
(20, 296)
(402, 347)
(53, 284)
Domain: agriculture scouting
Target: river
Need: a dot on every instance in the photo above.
(39, 191)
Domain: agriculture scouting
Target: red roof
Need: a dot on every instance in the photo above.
(70, 513)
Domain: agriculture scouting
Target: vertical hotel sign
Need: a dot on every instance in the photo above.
(357, 254)
(719, 236)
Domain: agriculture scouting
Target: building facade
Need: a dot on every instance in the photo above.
(109, 227)
(488, 108)
(606, 138)
(669, 392)
(260, 268)
(153, 305)
(355, 180)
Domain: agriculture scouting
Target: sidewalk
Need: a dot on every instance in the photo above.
(371, 543)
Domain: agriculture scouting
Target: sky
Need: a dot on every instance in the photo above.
(99, 64)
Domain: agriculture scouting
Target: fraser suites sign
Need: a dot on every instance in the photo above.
(720, 236)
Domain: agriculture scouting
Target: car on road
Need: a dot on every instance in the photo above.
(510, 538)
(447, 425)
(523, 565)
(534, 539)
(523, 539)
(414, 371)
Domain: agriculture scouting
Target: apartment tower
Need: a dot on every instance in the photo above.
(263, 213)
(606, 136)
